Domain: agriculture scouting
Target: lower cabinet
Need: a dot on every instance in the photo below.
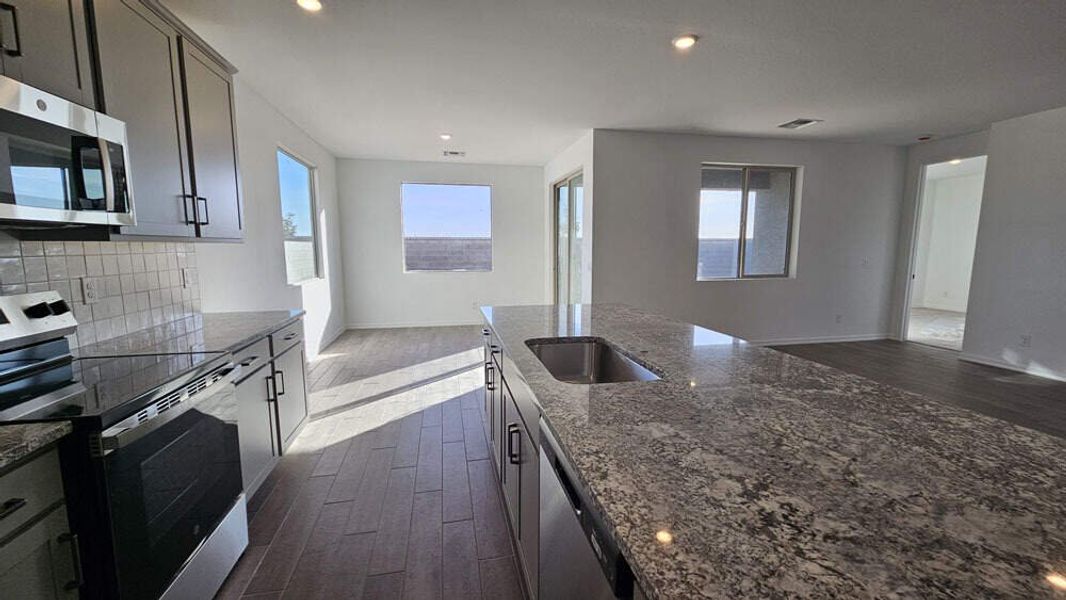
(38, 564)
(255, 427)
(291, 393)
(514, 451)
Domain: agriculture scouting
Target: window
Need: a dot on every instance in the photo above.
(446, 227)
(296, 182)
(757, 201)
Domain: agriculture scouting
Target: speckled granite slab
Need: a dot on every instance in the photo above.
(777, 477)
(19, 441)
(206, 332)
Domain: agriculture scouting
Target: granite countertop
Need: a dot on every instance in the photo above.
(201, 332)
(19, 441)
(778, 477)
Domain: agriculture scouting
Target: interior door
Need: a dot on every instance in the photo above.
(569, 199)
(141, 82)
(212, 143)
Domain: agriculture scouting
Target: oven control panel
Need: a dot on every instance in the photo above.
(29, 318)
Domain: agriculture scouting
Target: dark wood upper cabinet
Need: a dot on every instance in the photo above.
(46, 45)
(140, 81)
(213, 145)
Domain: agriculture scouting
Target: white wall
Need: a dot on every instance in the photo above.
(380, 294)
(251, 275)
(947, 239)
(1019, 277)
(918, 156)
(646, 218)
(577, 157)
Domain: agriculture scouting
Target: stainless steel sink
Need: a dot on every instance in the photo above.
(587, 360)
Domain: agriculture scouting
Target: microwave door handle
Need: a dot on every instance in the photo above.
(109, 176)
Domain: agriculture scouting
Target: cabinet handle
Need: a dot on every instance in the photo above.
(17, 50)
(10, 506)
(75, 556)
(270, 395)
(185, 208)
(514, 456)
(289, 336)
(207, 216)
(248, 361)
(495, 349)
(485, 332)
(281, 376)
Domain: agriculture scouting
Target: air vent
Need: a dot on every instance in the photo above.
(454, 153)
(799, 123)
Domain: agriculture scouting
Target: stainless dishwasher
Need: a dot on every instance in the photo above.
(578, 559)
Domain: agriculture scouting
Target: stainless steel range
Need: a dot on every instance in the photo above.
(152, 470)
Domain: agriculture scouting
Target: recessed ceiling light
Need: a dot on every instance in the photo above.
(684, 42)
(955, 161)
(1056, 580)
(310, 5)
(446, 136)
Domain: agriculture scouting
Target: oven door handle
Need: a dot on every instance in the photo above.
(133, 428)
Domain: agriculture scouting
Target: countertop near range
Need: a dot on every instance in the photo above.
(19, 441)
(201, 332)
(750, 473)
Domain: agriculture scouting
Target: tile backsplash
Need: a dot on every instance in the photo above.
(140, 284)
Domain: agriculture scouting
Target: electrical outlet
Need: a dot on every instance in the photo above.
(1025, 341)
(188, 277)
(90, 289)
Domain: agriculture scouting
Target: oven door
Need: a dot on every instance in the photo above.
(60, 162)
(170, 480)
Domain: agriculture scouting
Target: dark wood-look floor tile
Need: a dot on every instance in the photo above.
(332, 458)
(370, 495)
(461, 572)
(390, 546)
(424, 550)
(285, 550)
(292, 475)
(472, 400)
(340, 572)
(350, 473)
(456, 483)
(499, 579)
(327, 533)
(493, 537)
(430, 465)
(452, 421)
(241, 574)
(263, 596)
(384, 587)
(407, 445)
(388, 435)
(431, 415)
(474, 436)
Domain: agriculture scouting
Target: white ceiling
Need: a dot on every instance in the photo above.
(516, 81)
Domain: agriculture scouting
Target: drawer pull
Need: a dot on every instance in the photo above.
(248, 361)
(289, 336)
(75, 557)
(10, 506)
(513, 456)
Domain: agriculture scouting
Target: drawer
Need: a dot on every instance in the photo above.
(252, 356)
(28, 490)
(286, 337)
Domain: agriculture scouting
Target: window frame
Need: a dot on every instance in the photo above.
(403, 236)
(741, 249)
(312, 172)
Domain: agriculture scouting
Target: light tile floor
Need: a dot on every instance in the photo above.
(941, 328)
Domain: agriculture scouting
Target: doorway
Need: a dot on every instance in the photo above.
(949, 207)
(569, 202)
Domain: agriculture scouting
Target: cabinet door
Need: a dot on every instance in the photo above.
(290, 383)
(38, 564)
(212, 144)
(140, 78)
(255, 428)
(46, 46)
(512, 459)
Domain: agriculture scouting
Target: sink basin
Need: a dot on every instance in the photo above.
(587, 360)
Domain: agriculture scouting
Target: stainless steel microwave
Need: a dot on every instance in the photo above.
(60, 162)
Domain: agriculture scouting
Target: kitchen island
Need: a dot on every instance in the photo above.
(748, 473)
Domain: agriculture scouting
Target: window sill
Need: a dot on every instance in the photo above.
(306, 282)
(765, 278)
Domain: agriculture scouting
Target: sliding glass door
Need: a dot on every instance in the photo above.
(569, 206)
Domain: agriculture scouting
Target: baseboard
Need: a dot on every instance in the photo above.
(330, 338)
(991, 362)
(830, 339)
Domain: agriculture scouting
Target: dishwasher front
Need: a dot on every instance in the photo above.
(578, 559)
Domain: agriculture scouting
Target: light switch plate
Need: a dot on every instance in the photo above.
(90, 289)
(188, 277)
